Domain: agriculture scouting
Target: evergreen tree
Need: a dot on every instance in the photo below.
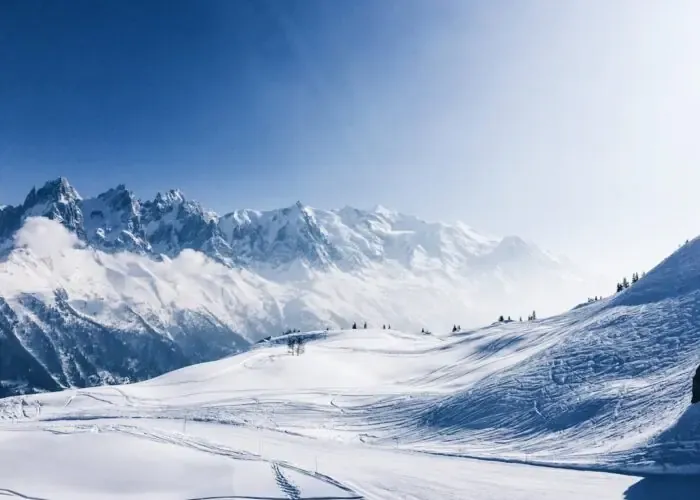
(383, 327)
(509, 319)
(365, 325)
(625, 283)
(620, 287)
(354, 326)
(521, 319)
(534, 316)
(500, 318)
(454, 328)
(635, 277)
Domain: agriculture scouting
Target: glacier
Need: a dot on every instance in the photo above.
(591, 403)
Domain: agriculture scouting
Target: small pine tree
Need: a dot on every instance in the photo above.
(500, 318)
(635, 277)
(354, 326)
(509, 319)
(521, 319)
(383, 327)
(454, 328)
(365, 325)
(625, 283)
(534, 316)
(620, 287)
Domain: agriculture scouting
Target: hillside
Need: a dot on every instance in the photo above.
(113, 289)
(604, 387)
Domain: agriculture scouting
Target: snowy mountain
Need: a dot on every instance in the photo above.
(600, 390)
(348, 239)
(112, 288)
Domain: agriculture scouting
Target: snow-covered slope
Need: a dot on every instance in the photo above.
(125, 289)
(383, 414)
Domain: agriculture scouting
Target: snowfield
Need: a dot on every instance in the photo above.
(594, 403)
(382, 414)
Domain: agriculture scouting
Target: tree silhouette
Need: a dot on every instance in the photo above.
(354, 326)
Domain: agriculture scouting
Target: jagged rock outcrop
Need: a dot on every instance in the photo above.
(696, 387)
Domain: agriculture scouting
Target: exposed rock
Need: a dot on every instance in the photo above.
(696, 387)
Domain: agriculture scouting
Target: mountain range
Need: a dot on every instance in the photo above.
(112, 288)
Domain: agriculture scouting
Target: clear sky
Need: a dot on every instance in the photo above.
(571, 123)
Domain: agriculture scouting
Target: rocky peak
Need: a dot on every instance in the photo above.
(57, 200)
(55, 191)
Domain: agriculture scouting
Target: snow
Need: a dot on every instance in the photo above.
(310, 253)
(590, 404)
(251, 301)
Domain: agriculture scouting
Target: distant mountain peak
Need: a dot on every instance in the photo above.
(58, 190)
(382, 210)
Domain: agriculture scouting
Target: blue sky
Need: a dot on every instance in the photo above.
(231, 101)
(569, 123)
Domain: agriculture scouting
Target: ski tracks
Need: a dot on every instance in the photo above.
(291, 490)
(288, 487)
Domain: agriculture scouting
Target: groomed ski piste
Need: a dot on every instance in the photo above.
(594, 403)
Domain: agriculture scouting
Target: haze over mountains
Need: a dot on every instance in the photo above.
(113, 288)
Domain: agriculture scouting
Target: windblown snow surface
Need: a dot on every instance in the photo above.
(594, 403)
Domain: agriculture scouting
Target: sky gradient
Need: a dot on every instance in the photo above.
(572, 124)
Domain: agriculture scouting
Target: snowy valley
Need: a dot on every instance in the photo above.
(592, 403)
(112, 289)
